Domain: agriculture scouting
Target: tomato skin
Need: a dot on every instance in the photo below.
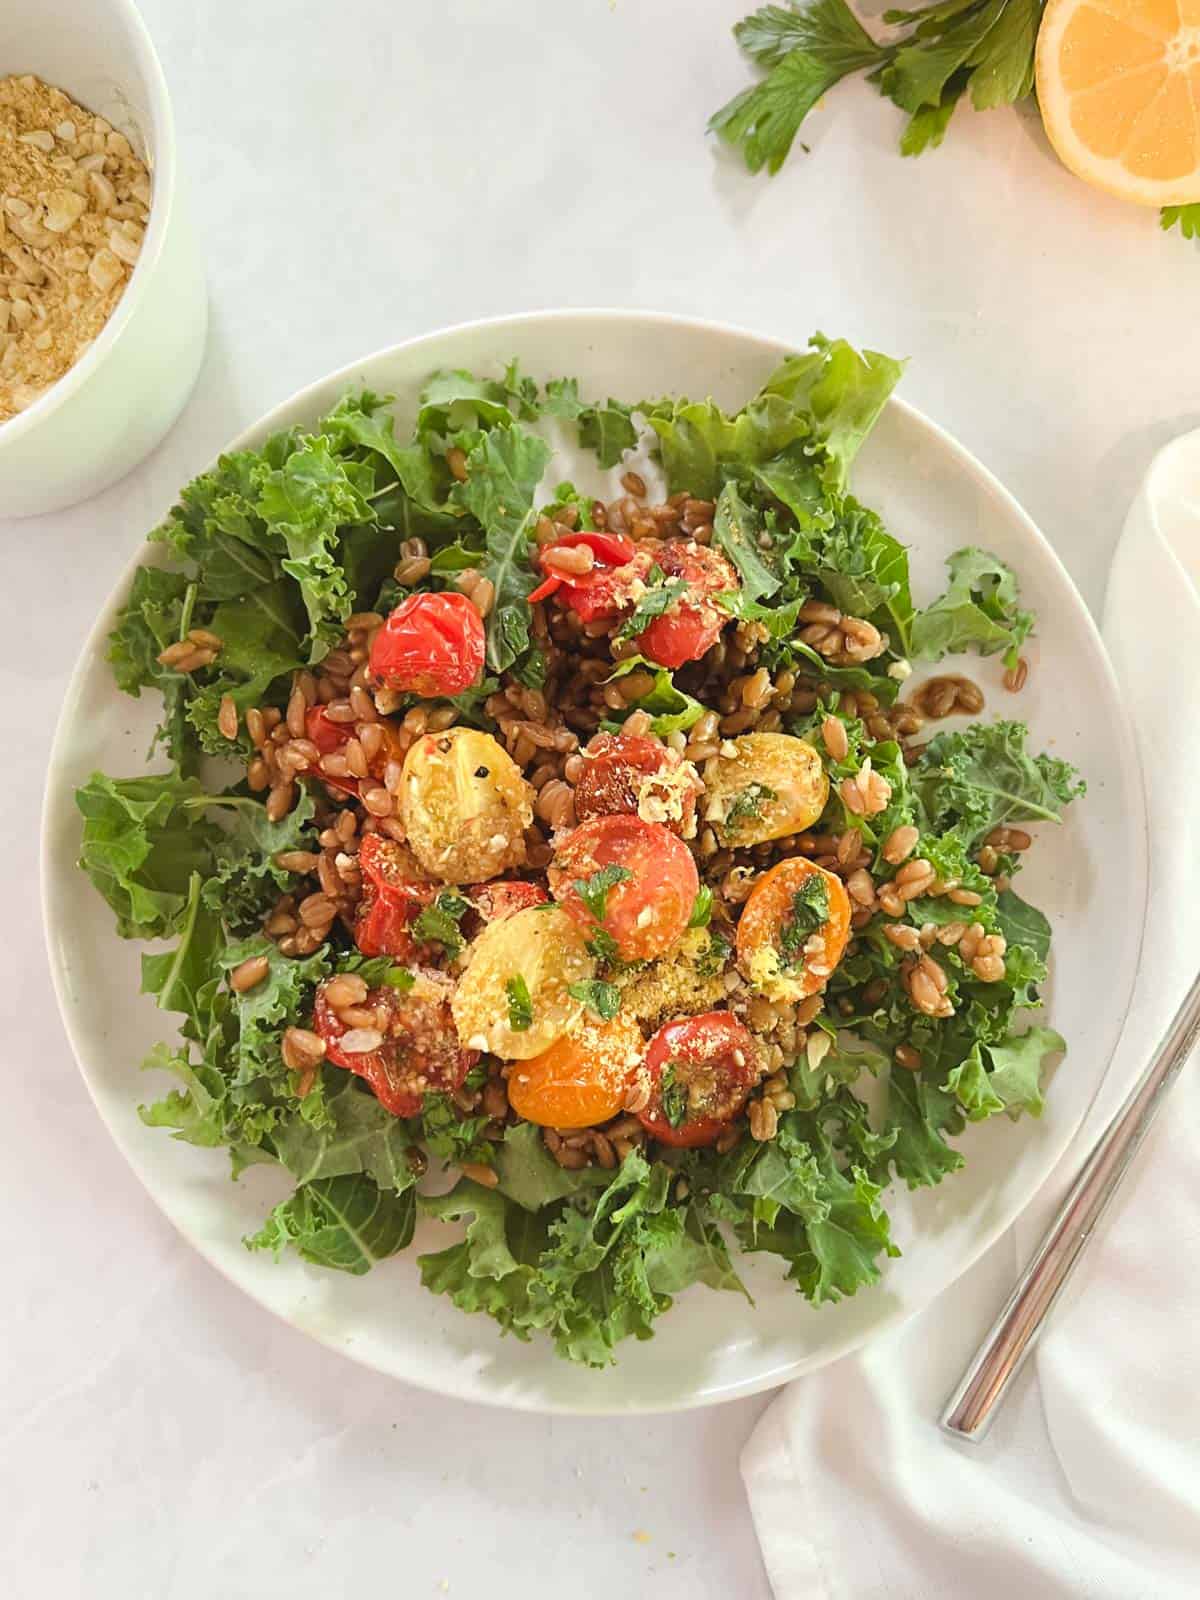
(496, 901)
(383, 923)
(614, 779)
(725, 1051)
(431, 644)
(692, 627)
(328, 736)
(420, 1055)
(604, 592)
(582, 1078)
(762, 921)
(647, 912)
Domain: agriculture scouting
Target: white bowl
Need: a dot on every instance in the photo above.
(111, 409)
(710, 1346)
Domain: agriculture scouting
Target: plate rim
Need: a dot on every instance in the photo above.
(58, 810)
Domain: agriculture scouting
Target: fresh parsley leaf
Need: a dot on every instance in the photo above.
(662, 594)
(808, 52)
(809, 911)
(1185, 218)
(593, 891)
(747, 805)
(673, 1096)
(603, 947)
(601, 997)
(520, 1005)
(438, 923)
(702, 908)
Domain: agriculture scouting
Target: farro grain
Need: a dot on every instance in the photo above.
(249, 974)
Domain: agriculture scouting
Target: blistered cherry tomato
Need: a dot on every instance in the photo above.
(640, 878)
(495, 901)
(330, 736)
(431, 644)
(699, 1071)
(608, 550)
(582, 1078)
(605, 591)
(394, 895)
(632, 775)
(779, 949)
(693, 625)
(418, 1051)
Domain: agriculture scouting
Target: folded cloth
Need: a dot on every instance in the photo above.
(1089, 1482)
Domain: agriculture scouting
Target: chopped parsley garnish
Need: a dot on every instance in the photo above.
(398, 978)
(701, 908)
(748, 804)
(673, 1095)
(438, 923)
(520, 1004)
(661, 594)
(810, 910)
(601, 997)
(603, 946)
(593, 891)
(713, 959)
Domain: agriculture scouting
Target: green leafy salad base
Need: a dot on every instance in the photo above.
(271, 550)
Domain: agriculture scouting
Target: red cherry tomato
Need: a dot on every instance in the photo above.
(693, 625)
(610, 550)
(619, 772)
(701, 1071)
(393, 900)
(419, 1055)
(327, 735)
(432, 644)
(651, 883)
(495, 901)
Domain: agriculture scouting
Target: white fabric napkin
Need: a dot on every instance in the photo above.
(1089, 1482)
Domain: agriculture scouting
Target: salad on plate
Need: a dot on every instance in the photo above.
(584, 872)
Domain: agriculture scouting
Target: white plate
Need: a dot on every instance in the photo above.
(709, 1346)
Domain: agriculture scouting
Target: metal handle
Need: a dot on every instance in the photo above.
(979, 1395)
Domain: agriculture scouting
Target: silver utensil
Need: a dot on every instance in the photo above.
(981, 1391)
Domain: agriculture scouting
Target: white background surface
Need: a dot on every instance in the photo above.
(360, 173)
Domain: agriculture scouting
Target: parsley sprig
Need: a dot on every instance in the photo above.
(438, 923)
(593, 891)
(520, 1004)
(937, 56)
(661, 594)
(810, 911)
(598, 996)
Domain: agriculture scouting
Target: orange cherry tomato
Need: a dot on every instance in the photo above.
(639, 875)
(700, 1072)
(419, 1053)
(618, 773)
(582, 1078)
(779, 949)
(431, 644)
(693, 625)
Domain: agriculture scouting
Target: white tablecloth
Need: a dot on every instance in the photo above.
(360, 173)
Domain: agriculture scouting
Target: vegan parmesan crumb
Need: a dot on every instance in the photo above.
(74, 203)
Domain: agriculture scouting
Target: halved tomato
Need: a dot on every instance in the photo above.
(693, 625)
(606, 591)
(394, 897)
(700, 1071)
(793, 930)
(330, 736)
(631, 880)
(629, 774)
(411, 1050)
(582, 1078)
